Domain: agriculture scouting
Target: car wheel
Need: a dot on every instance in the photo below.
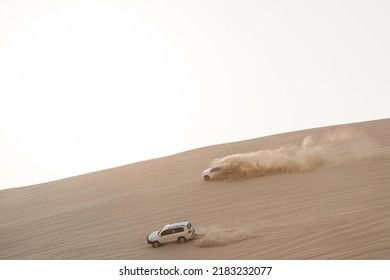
(155, 244)
(181, 240)
(207, 177)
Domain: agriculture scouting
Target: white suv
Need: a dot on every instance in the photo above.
(210, 172)
(175, 232)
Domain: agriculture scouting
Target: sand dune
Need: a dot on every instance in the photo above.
(315, 194)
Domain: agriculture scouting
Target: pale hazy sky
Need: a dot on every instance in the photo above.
(89, 85)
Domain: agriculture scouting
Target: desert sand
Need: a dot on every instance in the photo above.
(322, 193)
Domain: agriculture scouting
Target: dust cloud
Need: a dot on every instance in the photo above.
(333, 148)
(217, 237)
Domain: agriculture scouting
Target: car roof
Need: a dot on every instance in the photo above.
(176, 224)
(211, 168)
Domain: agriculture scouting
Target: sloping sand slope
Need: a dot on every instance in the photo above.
(338, 209)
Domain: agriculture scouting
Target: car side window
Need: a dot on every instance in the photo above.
(166, 232)
(180, 229)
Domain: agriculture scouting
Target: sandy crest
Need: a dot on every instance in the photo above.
(338, 210)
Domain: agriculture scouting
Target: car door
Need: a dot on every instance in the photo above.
(176, 233)
(166, 236)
